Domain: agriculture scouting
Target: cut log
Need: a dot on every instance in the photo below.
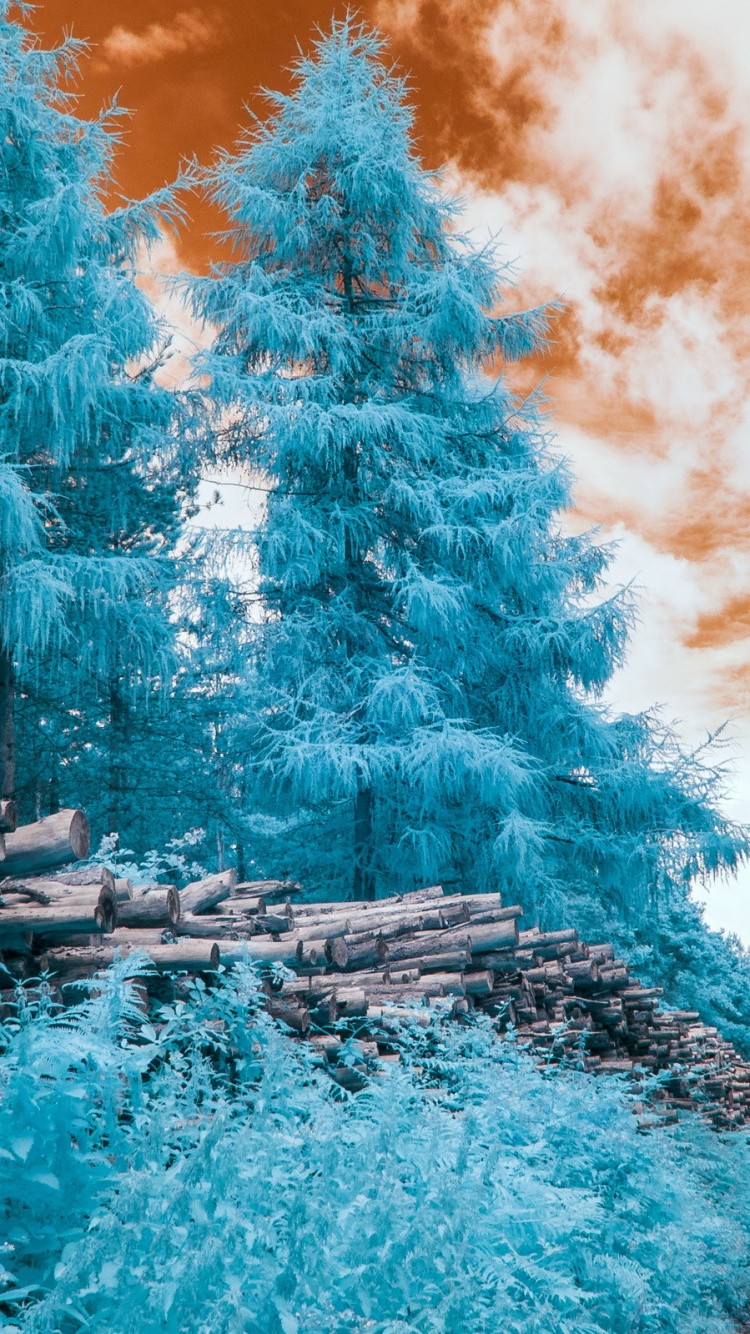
(8, 815)
(272, 890)
(335, 949)
(499, 963)
(186, 956)
(601, 952)
(123, 890)
(295, 1016)
(387, 927)
(130, 938)
(87, 875)
(309, 954)
(92, 909)
(349, 1077)
(304, 911)
(200, 895)
(616, 978)
(413, 994)
(456, 939)
(484, 915)
(394, 907)
(270, 924)
(367, 979)
(260, 950)
(14, 898)
(359, 922)
(351, 1001)
(214, 927)
(51, 842)
(532, 939)
(398, 974)
(420, 895)
(183, 956)
(495, 936)
(51, 889)
(545, 973)
(437, 984)
(479, 984)
(432, 963)
(544, 953)
(325, 929)
(160, 907)
(243, 907)
(370, 953)
(585, 972)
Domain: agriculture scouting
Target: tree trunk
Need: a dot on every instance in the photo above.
(7, 727)
(364, 880)
(119, 743)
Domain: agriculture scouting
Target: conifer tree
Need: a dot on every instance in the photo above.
(424, 670)
(95, 479)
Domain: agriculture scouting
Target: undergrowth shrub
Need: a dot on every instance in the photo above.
(197, 1171)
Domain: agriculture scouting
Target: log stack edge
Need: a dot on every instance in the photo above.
(364, 970)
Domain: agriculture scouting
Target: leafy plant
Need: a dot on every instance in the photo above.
(206, 1177)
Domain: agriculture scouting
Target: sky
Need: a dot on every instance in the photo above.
(606, 143)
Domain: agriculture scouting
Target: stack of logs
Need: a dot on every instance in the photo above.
(358, 971)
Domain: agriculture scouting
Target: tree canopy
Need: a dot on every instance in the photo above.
(430, 645)
(97, 457)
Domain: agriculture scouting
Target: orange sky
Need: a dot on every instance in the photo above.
(492, 80)
(609, 142)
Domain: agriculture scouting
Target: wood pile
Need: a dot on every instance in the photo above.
(361, 970)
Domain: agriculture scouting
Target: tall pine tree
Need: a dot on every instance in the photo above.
(425, 665)
(96, 475)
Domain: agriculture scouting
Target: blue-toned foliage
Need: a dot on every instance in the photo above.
(428, 649)
(197, 1171)
(97, 458)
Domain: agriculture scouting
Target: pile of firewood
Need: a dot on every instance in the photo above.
(359, 970)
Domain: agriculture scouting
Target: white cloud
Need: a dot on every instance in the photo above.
(188, 30)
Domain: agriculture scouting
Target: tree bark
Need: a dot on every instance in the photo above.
(91, 908)
(118, 747)
(53, 888)
(7, 727)
(160, 907)
(455, 961)
(8, 815)
(457, 938)
(529, 940)
(272, 890)
(214, 927)
(87, 875)
(363, 885)
(201, 895)
(47, 844)
(185, 956)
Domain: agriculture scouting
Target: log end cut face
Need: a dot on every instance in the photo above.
(80, 835)
(173, 904)
(105, 912)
